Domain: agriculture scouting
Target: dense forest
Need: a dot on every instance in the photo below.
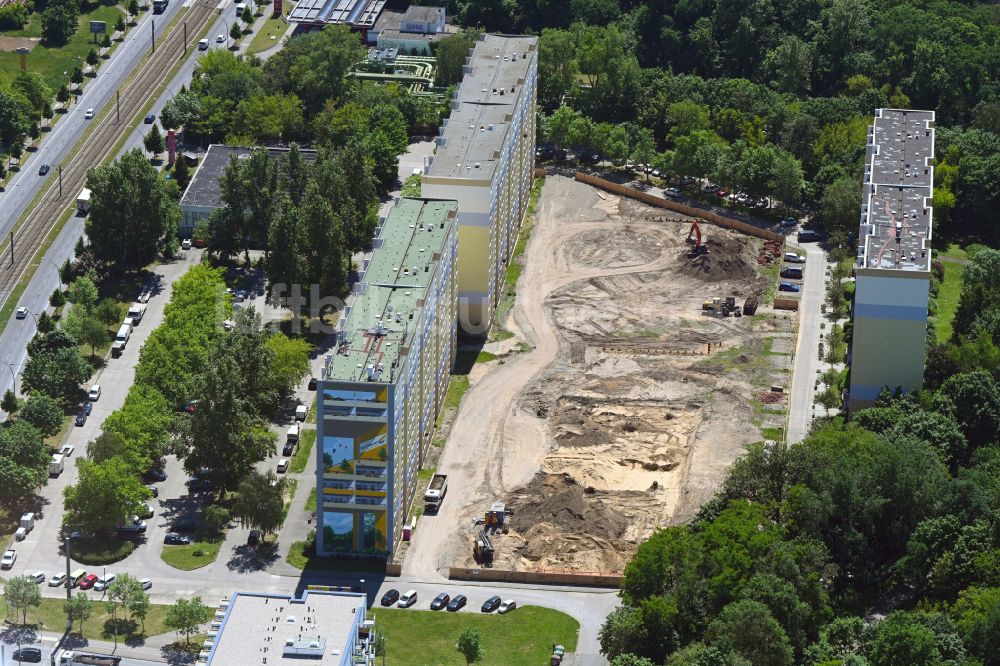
(742, 91)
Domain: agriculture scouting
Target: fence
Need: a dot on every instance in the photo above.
(582, 579)
(660, 202)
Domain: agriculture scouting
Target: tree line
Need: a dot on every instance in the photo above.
(895, 511)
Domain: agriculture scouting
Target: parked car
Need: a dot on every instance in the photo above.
(203, 45)
(793, 258)
(89, 114)
(312, 383)
(507, 606)
(22, 311)
(175, 539)
(390, 597)
(792, 273)
(440, 601)
(457, 603)
(89, 581)
(788, 286)
(789, 222)
(37, 576)
(491, 604)
(44, 169)
(254, 538)
(57, 580)
(150, 117)
(672, 192)
(145, 583)
(808, 235)
(104, 581)
(186, 525)
(220, 38)
(154, 490)
(722, 193)
(407, 599)
(145, 511)
(136, 526)
(81, 418)
(282, 465)
(94, 394)
(30, 654)
(155, 474)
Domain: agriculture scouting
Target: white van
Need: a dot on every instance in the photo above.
(121, 339)
(293, 433)
(300, 413)
(407, 599)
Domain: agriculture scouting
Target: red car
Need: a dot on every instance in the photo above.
(88, 581)
(722, 193)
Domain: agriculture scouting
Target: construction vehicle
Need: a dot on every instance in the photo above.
(435, 493)
(494, 518)
(482, 548)
(750, 306)
(694, 237)
(70, 657)
(724, 307)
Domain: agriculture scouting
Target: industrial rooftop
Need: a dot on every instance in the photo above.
(473, 137)
(896, 212)
(279, 629)
(203, 190)
(407, 249)
(358, 13)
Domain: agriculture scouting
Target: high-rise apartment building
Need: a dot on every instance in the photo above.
(383, 385)
(893, 267)
(484, 160)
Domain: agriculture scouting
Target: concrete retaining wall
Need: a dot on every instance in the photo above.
(538, 577)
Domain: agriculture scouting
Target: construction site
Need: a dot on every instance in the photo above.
(642, 359)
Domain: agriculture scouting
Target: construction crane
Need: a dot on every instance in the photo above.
(694, 236)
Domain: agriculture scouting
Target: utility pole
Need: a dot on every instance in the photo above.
(117, 116)
(185, 37)
(152, 33)
(60, 179)
(69, 583)
(12, 248)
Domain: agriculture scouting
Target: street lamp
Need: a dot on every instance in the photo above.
(13, 378)
(364, 590)
(58, 275)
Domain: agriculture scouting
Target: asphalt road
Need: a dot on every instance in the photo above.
(800, 409)
(47, 646)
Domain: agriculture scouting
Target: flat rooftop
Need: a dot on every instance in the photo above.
(258, 626)
(407, 249)
(358, 13)
(471, 142)
(896, 210)
(203, 190)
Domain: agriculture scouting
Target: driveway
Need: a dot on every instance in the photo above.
(800, 410)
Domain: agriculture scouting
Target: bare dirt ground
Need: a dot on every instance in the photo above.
(8, 43)
(616, 419)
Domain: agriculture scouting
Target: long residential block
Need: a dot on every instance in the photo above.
(484, 160)
(893, 267)
(383, 386)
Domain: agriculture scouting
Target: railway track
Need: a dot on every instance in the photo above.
(96, 146)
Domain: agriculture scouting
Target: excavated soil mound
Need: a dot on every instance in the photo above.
(563, 504)
(727, 260)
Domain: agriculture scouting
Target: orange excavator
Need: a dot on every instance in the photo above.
(694, 236)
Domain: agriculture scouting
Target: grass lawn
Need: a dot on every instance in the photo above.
(955, 250)
(300, 556)
(273, 27)
(55, 441)
(291, 486)
(185, 557)
(947, 300)
(52, 62)
(521, 638)
(53, 619)
(301, 456)
(311, 500)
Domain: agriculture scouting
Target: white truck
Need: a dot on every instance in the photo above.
(136, 312)
(435, 493)
(57, 464)
(121, 339)
(83, 201)
(71, 657)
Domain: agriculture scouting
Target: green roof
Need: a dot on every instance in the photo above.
(407, 250)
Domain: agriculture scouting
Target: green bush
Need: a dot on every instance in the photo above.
(98, 550)
(13, 17)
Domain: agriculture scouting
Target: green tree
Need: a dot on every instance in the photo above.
(290, 361)
(216, 517)
(120, 24)
(92, 58)
(105, 496)
(83, 292)
(622, 631)
(107, 445)
(46, 323)
(59, 21)
(33, 87)
(143, 425)
(78, 609)
(57, 373)
(182, 173)
(43, 413)
(261, 502)
(57, 298)
(10, 403)
(153, 141)
(247, 16)
(235, 31)
(132, 8)
(451, 53)
(748, 628)
(125, 593)
(86, 328)
(470, 646)
(131, 209)
(840, 206)
(628, 659)
(902, 640)
(186, 616)
(22, 594)
(15, 117)
(108, 312)
(77, 75)
(24, 460)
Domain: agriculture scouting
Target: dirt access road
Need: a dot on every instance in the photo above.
(595, 430)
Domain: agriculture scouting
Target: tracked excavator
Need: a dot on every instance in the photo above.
(694, 238)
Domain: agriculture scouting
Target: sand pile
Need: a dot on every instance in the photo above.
(561, 503)
(728, 259)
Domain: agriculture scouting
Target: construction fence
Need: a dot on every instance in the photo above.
(690, 211)
(541, 577)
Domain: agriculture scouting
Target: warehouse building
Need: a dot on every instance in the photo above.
(893, 267)
(323, 628)
(359, 15)
(484, 160)
(383, 386)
